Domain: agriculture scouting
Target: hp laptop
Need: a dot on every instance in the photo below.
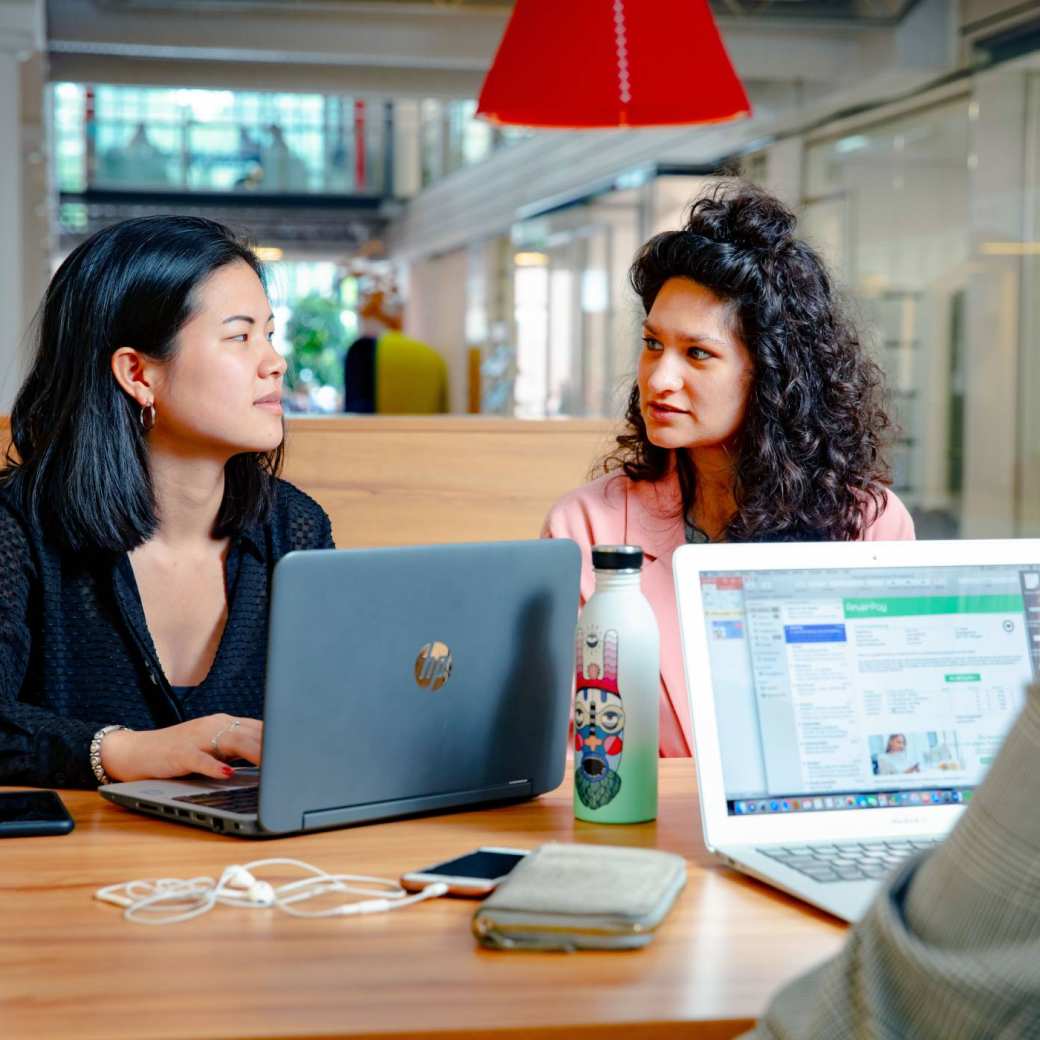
(399, 681)
(847, 698)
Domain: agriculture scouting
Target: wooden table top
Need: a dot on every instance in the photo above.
(72, 968)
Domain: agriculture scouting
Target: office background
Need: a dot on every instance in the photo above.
(341, 137)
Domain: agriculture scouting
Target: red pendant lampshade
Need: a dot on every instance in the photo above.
(603, 63)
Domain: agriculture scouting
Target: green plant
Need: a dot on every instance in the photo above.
(318, 343)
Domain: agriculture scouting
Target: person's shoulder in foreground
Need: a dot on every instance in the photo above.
(950, 949)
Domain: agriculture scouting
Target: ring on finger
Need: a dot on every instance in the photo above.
(215, 742)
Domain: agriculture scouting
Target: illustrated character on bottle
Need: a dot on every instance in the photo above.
(599, 719)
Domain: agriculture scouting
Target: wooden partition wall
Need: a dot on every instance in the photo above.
(400, 481)
(404, 480)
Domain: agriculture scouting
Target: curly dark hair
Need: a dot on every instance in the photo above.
(809, 462)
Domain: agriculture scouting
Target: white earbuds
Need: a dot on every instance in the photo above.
(256, 893)
(169, 900)
(238, 877)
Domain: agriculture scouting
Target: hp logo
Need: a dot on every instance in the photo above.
(433, 666)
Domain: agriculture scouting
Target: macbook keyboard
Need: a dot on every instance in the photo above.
(848, 861)
(232, 799)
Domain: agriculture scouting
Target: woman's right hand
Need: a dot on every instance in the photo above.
(188, 747)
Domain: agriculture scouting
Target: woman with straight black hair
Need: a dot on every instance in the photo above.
(141, 513)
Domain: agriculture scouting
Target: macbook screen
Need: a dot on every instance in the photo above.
(866, 688)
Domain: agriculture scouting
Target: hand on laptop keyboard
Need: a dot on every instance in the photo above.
(197, 746)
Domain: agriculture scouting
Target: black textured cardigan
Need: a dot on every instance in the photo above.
(76, 654)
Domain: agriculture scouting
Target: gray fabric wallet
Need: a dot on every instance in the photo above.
(575, 897)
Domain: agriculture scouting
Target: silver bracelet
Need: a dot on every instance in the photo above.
(95, 752)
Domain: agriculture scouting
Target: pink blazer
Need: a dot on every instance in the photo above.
(614, 510)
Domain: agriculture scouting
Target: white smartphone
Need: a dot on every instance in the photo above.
(476, 874)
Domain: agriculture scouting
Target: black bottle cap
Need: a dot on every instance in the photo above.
(617, 557)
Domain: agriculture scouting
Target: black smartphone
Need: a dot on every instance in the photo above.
(24, 814)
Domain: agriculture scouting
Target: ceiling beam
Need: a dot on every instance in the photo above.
(428, 49)
(305, 46)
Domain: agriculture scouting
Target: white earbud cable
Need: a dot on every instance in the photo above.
(172, 900)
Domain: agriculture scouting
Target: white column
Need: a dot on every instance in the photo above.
(23, 191)
(407, 144)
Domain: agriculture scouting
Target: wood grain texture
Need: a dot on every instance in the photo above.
(72, 969)
(390, 481)
(401, 481)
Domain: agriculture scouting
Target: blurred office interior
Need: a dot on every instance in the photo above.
(341, 137)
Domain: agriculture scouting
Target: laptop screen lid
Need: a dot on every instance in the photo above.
(849, 689)
(416, 678)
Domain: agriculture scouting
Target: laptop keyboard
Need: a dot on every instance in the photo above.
(231, 799)
(852, 861)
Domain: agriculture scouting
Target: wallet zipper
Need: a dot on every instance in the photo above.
(484, 926)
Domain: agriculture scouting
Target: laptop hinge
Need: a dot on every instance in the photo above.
(423, 803)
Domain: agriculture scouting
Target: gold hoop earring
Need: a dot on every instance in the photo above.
(147, 416)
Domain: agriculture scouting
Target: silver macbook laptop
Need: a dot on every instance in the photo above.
(847, 698)
(399, 681)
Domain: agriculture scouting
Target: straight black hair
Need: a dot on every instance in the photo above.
(81, 469)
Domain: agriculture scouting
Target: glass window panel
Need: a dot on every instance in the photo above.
(221, 140)
(888, 206)
(68, 109)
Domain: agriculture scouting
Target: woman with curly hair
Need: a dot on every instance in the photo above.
(756, 414)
